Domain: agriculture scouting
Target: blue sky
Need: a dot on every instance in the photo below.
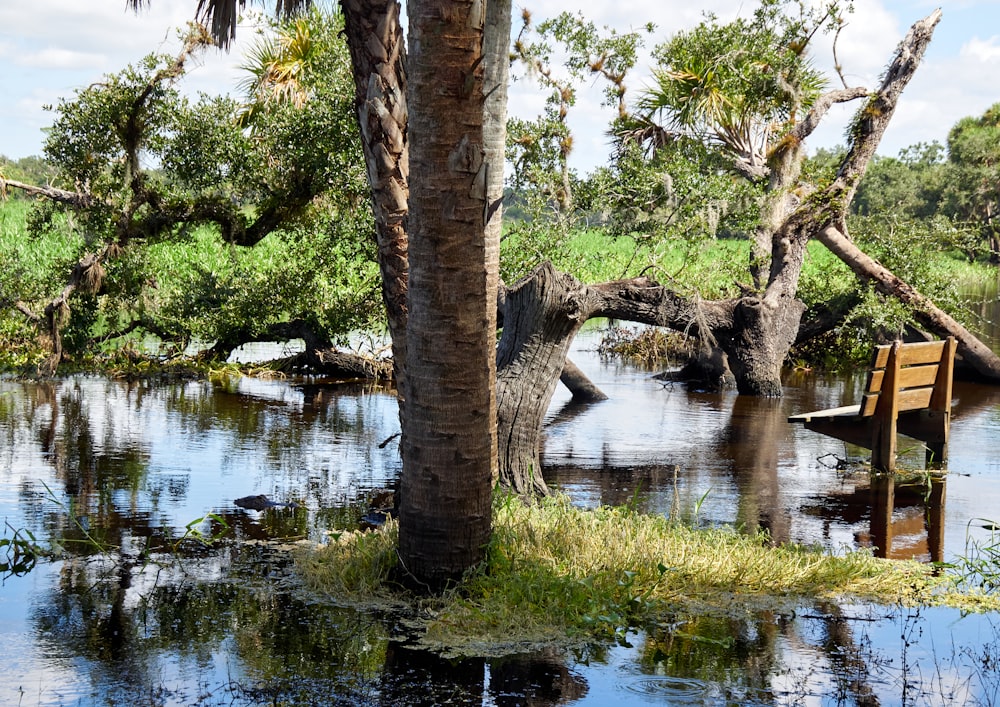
(49, 48)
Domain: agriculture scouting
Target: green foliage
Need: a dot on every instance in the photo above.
(739, 85)
(586, 51)
(956, 193)
(681, 193)
(322, 272)
(972, 194)
(544, 188)
(910, 185)
(286, 177)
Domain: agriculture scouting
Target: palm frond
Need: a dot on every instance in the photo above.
(222, 16)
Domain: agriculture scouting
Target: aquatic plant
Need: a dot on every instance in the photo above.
(979, 567)
(647, 346)
(20, 552)
(558, 573)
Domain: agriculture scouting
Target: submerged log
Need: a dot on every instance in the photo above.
(582, 388)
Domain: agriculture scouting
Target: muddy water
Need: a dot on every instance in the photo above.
(137, 611)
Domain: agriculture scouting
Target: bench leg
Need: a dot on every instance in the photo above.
(937, 455)
(937, 451)
(884, 447)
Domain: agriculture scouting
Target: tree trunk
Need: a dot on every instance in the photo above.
(541, 315)
(763, 332)
(581, 387)
(375, 40)
(449, 418)
(766, 325)
(973, 351)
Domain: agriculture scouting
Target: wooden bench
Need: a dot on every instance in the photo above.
(908, 390)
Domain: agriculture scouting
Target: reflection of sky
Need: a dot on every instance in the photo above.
(203, 446)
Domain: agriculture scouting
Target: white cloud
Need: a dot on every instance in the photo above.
(33, 106)
(55, 46)
(55, 58)
(982, 50)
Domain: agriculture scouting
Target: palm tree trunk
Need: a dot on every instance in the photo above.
(375, 40)
(449, 418)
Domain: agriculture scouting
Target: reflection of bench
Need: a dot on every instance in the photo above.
(908, 390)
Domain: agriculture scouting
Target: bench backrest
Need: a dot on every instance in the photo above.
(919, 374)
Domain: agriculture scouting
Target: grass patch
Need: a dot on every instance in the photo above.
(556, 573)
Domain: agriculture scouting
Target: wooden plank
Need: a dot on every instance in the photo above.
(845, 411)
(941, 400)
(924, 352)
(913, 399)
(868, 404)
(918, 376)
(874, 382)
(881, 356)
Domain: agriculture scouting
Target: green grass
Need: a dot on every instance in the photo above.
(557, 573)
(199, 286)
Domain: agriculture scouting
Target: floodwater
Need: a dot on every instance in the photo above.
(89, 464)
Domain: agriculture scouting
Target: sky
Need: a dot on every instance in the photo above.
(50, 48)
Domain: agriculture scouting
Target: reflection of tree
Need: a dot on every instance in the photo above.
(752, 439)
(850, 666)
(124, 624)
(145, 630)
(615, 485)
(739, 654)
(418, 678)
(745, 656)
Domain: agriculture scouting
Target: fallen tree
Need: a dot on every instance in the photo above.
(754, 332)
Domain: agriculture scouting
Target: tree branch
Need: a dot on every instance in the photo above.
(72, 198)
(871, 121)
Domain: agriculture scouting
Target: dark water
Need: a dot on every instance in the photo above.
(88, 462)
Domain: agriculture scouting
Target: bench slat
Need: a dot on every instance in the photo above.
(925, 352)
(910, 377)
(910, 354)
(915, 399)
(845, 411)
(918, 376)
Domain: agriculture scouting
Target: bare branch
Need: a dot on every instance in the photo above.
(73, 198)
(871, 121)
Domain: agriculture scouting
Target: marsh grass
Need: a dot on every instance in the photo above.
(979, 568)
(557, 573)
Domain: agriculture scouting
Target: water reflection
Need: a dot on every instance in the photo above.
(904, 515)
(128, 479)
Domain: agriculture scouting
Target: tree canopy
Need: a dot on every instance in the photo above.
(139, 167)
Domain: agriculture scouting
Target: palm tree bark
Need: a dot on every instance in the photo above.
(449, 425)
(375, 40)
